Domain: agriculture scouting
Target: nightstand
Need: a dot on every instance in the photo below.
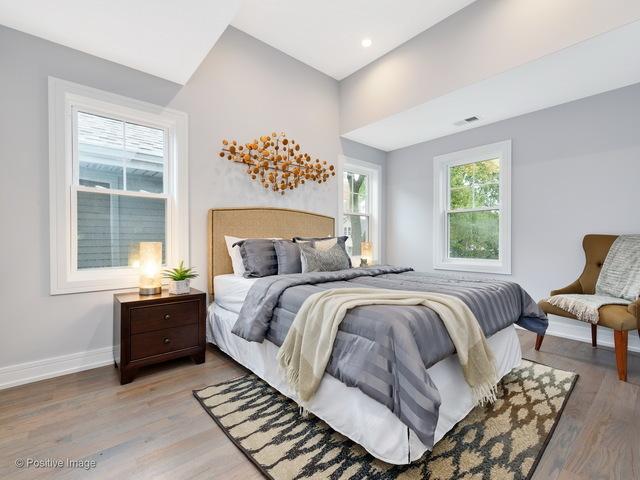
(150, 329)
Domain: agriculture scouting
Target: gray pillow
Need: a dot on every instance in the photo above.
(331, 260)
(288, 254)
(258, 257)
(324, 243)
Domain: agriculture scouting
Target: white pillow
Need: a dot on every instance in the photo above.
(234, 253)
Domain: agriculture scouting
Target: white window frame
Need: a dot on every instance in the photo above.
(441, 166)
(374, 173)
(65, 99)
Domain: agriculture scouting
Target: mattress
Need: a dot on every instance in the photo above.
(356, 415)
(231, 290)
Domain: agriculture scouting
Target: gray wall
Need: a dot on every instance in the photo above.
(35, 325)
(575, 171)
(486, 38)
(243, 89)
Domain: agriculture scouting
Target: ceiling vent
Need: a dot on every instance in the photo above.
(466, 121)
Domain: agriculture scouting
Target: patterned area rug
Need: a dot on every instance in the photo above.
(501, 441)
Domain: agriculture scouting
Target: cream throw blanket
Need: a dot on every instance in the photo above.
(585, 307)
(306, 350)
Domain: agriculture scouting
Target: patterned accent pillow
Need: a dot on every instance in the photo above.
(259, 257)
(288, 254)
(331, 260)
(325, 243)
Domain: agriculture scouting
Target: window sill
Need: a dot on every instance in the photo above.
(70, 287)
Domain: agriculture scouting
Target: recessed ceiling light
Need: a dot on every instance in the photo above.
(366, 42)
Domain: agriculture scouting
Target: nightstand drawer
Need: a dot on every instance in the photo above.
(157, 317)
(163, 341)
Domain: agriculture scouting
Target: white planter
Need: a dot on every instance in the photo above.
(180, 287)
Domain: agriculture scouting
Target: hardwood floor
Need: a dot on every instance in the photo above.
(154, 428)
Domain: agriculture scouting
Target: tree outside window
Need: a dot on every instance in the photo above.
(356, 208)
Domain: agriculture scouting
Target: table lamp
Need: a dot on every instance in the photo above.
(150, 259)
(366, 254)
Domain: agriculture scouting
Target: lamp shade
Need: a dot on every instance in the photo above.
(150, 268)
(366, 253)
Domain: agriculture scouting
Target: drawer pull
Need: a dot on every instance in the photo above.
(167, 317)
(166, 340)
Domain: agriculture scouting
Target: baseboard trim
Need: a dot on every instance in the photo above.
(580, 331)
(29, 372)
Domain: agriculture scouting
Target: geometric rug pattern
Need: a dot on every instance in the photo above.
(502, 441)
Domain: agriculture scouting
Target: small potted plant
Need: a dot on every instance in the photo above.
(179, 279)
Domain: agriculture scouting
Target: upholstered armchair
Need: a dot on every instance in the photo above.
(620, 318)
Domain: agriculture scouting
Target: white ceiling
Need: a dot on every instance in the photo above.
(166, 38)
(597, 65)
(327, 34)
(170, 38)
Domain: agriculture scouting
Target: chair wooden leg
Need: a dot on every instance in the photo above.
(594, 335)
(539, 340)
(620, 340)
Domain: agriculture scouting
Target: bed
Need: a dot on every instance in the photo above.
(346, 409)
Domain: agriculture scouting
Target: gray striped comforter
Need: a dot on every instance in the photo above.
(385, 350)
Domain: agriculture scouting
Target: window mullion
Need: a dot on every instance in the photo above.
(476, 209)
(351, 212)
(111, 191)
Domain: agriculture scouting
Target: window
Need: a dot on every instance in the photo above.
(472, 209)
(359, 203)
(118, 177)
(356, 210)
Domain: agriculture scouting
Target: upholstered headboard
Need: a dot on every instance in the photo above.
(258, 222)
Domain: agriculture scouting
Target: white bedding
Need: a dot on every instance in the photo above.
(231, 290)
(356, 415)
